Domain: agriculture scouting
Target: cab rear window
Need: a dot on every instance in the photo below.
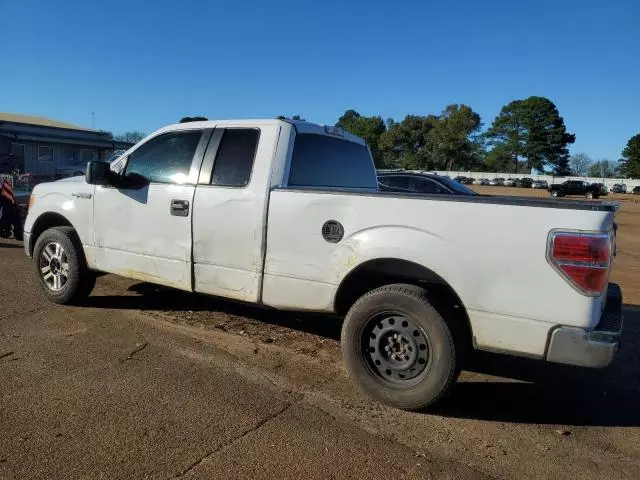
(324, 161)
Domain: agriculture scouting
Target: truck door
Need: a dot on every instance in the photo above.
(143, 224)
(230, 208)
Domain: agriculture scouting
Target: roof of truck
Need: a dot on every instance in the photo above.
(299, 125)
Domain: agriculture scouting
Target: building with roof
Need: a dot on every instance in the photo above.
(48, 148)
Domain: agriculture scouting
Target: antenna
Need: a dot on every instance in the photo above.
(92, 120)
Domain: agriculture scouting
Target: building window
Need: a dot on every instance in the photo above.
(45, 154)
(17, 151)
(87, 156)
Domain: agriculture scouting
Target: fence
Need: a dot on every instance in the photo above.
(609, 182)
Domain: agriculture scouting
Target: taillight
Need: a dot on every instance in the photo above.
(583, 259)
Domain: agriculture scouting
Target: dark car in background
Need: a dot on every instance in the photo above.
(636, 190)
(575, 187)
(464, 180)
(526, 182)
(602, 187)
(407, 182)
(619, 188)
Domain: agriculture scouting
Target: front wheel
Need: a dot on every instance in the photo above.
(555, 194)
(60, 265)
(398, 348)
(589, 195)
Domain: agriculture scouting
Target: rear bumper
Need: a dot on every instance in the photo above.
(590, 348)
(27, 241)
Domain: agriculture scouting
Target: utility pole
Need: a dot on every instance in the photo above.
(92, 121)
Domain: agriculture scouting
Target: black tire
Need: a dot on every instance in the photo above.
(589, 195)
(370, 367)
(555, 194)
(79, 279)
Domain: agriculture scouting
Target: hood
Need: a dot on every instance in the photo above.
(76, 179)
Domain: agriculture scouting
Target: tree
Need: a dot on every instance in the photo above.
(603, 169)
(404, 144)
(193, 119)
(368, 128)
(630, 161)
(453, 142)
(498, 160)
(580, 163)
(533, 129)
(130, 137)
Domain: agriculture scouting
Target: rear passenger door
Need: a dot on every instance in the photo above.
(230, 206)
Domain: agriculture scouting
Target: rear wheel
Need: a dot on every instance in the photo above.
(59, 262)
(555, 194)
(589, 195)
(398, 348)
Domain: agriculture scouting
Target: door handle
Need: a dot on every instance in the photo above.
(179, 208)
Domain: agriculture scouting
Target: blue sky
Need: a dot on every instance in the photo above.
(140, 65)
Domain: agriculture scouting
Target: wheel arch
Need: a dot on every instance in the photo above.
(384, 271)
(45, 221)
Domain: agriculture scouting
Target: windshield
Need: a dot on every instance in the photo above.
(456, 186)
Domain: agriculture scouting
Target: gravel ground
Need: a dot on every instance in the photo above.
(148, 382)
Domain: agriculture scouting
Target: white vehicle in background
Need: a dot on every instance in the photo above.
(287, 214)
(509, 182)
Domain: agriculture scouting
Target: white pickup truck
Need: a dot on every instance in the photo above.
(288, 214)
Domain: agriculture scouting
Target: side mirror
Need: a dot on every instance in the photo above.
(98, 173)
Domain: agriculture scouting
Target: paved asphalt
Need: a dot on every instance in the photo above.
(153, 383)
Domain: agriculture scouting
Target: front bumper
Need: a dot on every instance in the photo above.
(595, 348)
(27, 242)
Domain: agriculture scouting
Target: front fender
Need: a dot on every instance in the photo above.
(76, 211)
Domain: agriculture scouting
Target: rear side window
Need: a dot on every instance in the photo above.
(234, 160)
(424, 185)
(323, 161)
(395, 182)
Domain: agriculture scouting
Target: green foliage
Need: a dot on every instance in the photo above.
(630, 162)
(604, 169)
(453, 142)
(499, 159)
(193, 119)
(404, 144)
(368, 128)
(533, 129)
(580, 163)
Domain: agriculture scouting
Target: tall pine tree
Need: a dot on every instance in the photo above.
(534, 130)
(630, 162)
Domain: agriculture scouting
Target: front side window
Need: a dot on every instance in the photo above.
(324, 161)
(234, 159)
(166, 158)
